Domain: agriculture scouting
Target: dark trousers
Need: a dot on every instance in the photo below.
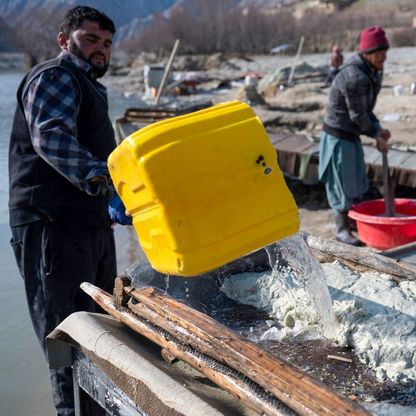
(54, 259)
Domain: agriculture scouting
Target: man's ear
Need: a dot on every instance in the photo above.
(62, 39)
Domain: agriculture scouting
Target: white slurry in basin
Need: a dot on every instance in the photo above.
(375, 316)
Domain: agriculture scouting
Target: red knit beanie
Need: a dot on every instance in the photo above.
(373, 39)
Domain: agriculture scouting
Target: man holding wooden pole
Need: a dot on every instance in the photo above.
(352, 98)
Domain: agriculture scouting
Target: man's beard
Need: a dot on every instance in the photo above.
(98, 71)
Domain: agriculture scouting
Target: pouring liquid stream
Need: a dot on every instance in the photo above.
(294, 265)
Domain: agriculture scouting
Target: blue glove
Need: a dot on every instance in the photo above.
(117, 211)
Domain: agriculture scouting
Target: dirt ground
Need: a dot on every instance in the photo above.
(317, 222)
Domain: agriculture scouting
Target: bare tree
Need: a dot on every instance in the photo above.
(221, 26)
(37, 37)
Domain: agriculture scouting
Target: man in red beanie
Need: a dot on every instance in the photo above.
(373, 46)
(349, 114)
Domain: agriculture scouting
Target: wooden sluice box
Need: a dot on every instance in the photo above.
(231, 375)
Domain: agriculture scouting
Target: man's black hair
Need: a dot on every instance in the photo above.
(74, 17)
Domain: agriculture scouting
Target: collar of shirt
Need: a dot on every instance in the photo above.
(80, 63)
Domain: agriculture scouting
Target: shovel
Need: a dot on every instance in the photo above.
(388, 190)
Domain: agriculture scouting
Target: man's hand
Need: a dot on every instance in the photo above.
(383, 135)
(118, 212)
(101, 185)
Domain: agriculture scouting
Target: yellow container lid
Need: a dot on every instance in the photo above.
(203, 189)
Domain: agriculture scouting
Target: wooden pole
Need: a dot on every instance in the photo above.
(167, 70)
(387, 187)
(334, 250)
(295, 61)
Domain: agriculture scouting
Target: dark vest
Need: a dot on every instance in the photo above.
(35, 184)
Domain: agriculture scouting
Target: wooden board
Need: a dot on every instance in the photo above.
(330, 250)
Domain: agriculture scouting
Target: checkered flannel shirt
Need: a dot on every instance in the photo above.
(51, 110)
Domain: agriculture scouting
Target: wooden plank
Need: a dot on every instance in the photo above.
(277, 137)
(290, 385)
(402, 166)
(410, 162)
(370, 153)
(377, 159)
(239, 388)
(290, 147)
(313, 149)
(397, 158)
(361, 256)
(296, 143)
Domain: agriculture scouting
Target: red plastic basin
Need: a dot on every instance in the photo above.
(381, 232)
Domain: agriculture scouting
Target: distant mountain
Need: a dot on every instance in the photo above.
(128, 15)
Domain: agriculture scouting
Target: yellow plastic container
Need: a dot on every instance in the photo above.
(203, 189)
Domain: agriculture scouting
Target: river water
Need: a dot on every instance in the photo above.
(24, 382)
